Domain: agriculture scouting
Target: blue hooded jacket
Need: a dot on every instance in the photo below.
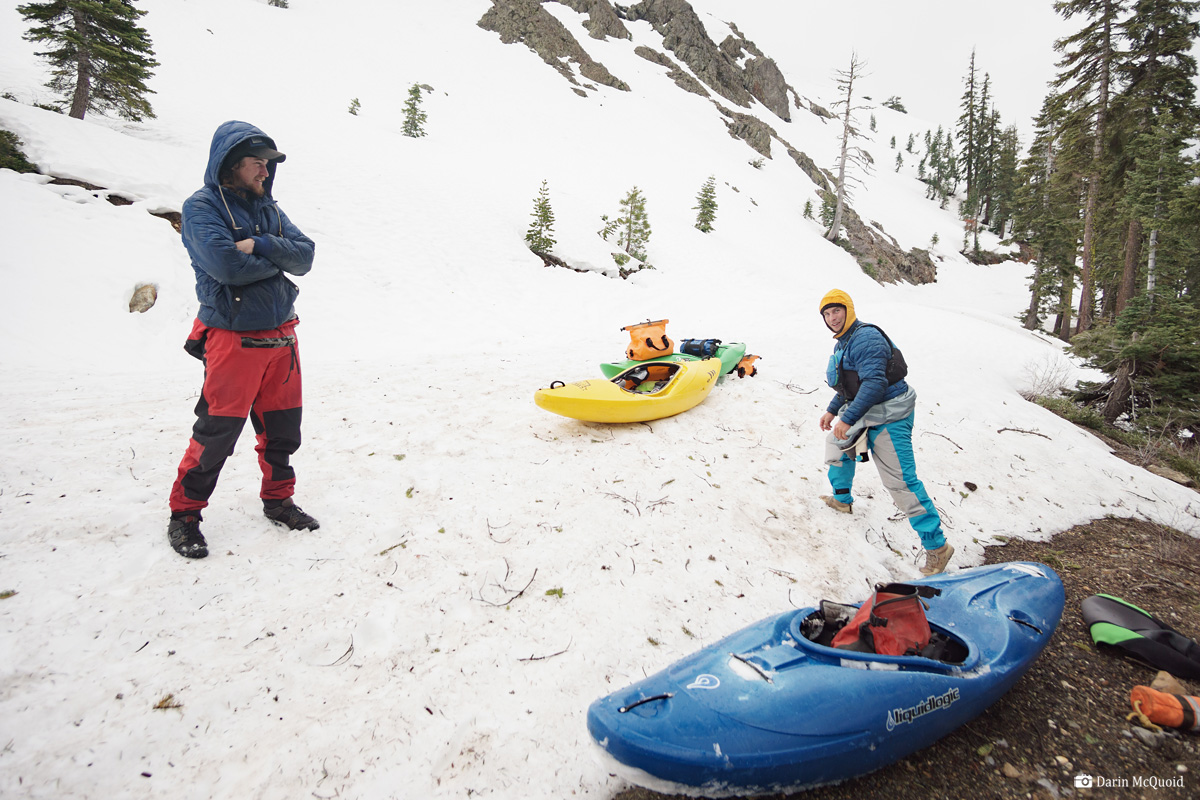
(238, 291)
(863, 349)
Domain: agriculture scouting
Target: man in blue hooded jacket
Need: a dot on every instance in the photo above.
(873, 411)
(243, 248)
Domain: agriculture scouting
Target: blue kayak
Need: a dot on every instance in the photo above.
(770, 710)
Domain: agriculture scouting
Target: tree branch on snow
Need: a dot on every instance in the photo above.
(1022, 430)
(552, 655)
(947, 438)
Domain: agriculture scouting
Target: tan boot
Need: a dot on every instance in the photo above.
(838, 505)
(936, 560)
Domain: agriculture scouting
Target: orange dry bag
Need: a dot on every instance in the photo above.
(891, 623)
(1171, 710)
(649, 340)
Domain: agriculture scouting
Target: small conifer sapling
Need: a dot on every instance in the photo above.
(706, 205)
(414, 117)
(539, 237)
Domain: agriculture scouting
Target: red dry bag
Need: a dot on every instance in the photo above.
(891, 623)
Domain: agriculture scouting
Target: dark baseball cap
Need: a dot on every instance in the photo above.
(256, 146)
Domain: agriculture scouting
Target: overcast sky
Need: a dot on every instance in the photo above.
(918, 50)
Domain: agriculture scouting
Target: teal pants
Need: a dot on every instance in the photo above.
(891, 449)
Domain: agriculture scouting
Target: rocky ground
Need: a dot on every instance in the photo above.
(1066, 716)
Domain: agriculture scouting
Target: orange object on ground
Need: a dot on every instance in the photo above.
(746, 366)
(1169, 710)
(649, 340)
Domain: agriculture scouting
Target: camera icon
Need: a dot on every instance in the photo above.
(1084, 781)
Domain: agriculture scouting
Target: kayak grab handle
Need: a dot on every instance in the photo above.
(1027, 624)
(560, 384)
(761, 672)
(644, 700)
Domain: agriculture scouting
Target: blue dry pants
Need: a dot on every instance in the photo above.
(891, 448)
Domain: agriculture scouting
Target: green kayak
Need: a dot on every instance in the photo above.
(730, 355)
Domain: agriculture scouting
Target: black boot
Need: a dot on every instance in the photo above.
(288, 514)
(184, 535)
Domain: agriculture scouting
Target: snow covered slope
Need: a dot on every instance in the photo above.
(483, 569)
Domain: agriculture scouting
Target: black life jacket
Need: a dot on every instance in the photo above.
(847, 381)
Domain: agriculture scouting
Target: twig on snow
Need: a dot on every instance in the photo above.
(627, 500)
(492, 531)
(514, 597)
(947, 438)
(1022, 430)
(346, 655)
(552, 655)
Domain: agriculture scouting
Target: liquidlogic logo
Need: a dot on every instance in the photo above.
(903, 716)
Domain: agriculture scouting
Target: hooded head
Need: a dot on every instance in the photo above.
(836, 297)
(234, 140)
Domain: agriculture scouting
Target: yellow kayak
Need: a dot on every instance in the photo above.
(648, 390)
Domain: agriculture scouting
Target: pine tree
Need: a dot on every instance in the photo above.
(633, 225)
(1085, 80)
(1006, 180)
(1153, 188)
(414, 117)
(539, 237)
(100, 57)
(968, 123)
(355, 106)
(828, 208)
(1046, 216)
(632, 229)
(706, 205)
(1158, 71)
(278, 3)
(808, 210)
(899, 161)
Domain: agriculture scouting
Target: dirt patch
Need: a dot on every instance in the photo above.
(1066, 716)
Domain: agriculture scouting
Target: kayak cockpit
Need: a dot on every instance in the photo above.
(650, 378)
(814, 632)
(822, 625)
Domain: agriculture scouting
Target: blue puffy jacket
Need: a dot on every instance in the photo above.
(238, 291)
(863, 349)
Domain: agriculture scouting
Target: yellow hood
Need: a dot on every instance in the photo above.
(840, 298)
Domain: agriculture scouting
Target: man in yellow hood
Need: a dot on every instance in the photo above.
(872, 412)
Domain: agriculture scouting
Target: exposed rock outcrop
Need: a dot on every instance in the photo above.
(602, 21)
(682, 78)
(751, 129)
(767, 84)
(822, 179)
(880, 255)
(760, 75)
(759, 134)
(526, 21)
(684, 35)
